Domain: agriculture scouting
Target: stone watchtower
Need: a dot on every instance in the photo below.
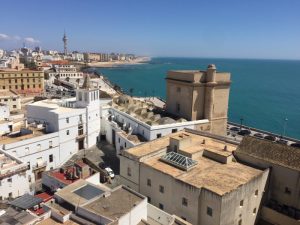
(196, 95)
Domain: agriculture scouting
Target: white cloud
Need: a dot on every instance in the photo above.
(17, 38)
(4, 37)
(31, 40)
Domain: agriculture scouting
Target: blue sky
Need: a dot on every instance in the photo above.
(215, 28)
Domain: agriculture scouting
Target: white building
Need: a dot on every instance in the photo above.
(76, 56)
(35, 147)
(130, 122)
(77, 120)
(4, 112)
(100, 205)
(11, 99)
(13, 180)
(62, 72)
(194, 175)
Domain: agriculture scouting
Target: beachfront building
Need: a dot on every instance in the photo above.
(194, 175)
(195, 99)
(11, 99)
(91, 57)
(13, 179)
(63, 72)
(22, 81)
(281, 203)
(77, 56)
(196, 95)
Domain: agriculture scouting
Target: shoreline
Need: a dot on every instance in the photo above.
(112, 64)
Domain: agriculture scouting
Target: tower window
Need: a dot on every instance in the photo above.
(209, 211)
(161, 189)
(184, 201)
(177, 107)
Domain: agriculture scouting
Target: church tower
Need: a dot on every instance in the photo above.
(88, 97)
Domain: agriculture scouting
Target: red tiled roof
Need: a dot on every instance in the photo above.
(45, 196)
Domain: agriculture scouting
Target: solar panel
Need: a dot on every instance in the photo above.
(179, 160)
(88, 192)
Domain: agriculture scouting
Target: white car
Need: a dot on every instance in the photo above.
(110, 172)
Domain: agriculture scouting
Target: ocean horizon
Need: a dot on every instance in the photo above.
(264, 92)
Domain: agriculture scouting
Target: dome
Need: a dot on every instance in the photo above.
(124, 99)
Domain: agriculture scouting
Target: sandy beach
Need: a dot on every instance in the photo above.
(137, 61)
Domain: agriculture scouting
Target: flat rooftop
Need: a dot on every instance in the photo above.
(79, 192)
(21, 135)
(220, 178)
(118, 203)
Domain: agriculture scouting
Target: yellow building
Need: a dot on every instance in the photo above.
(22, 81)
(196, 95)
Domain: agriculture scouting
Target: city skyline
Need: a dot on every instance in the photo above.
(178, 29)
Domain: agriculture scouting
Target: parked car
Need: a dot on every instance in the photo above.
(258, 135)
(296, 145)
(244, 132)
(110, 172)
(270, 138)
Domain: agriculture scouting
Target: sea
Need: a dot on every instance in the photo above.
(265, 94)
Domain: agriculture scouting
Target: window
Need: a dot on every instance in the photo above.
(240, 222)
(68, 132)
(51, 158)
(241, 203)
(178, 107)
(50, 144)
(28, 165)
(9, 180)
(254, 211)
(184, 201)
(178, 89)
(149, 199)
(149, 182)
(158, 135)
(9, 81)
(129, 171)
(256, 193)
(119, 140)
(161, 189)
(14, 106)
(16, 86)
(33, 86)
(125, 144)
(39, 147)
(67, 120)
(161, 206)
(174, 130)
(209, 211)
(287, 190)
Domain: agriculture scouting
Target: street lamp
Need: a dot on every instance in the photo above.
(284, 127)
(241, 119)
